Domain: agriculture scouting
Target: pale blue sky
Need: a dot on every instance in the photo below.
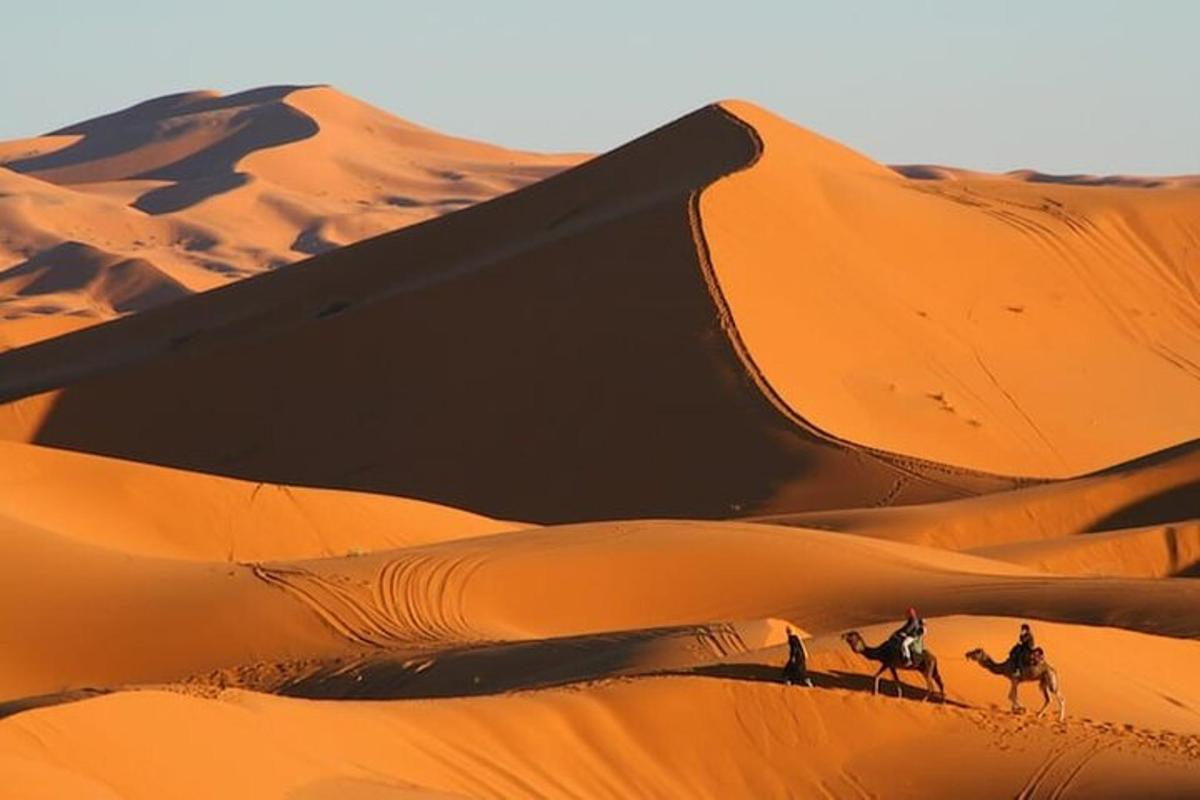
(1074, 85)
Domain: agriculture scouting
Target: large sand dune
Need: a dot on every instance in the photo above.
(191, 191)
(751, 388)
(627, 731)
(253, 539)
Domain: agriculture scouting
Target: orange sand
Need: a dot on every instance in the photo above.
(253, 543)
(198, 189)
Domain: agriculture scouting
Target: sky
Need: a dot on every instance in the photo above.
(1099, 86)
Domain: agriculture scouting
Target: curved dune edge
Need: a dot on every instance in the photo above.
(1159, 489)
(831, 265)
(160, 512)
(150, 388)
(510, 587)
(669, 737)
(1159, 551)
(198, 190)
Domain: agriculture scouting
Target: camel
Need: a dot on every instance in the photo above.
(890, 658)
(1039, 671)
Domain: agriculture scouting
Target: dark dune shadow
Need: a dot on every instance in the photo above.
(486, 360)
(1032, 176)
(311, 242)
(917, 172)
(835, 679)
(1178, 504)
(122, 131)
(261, 119)
(11, 707)
(179, 196)
(1152, 459)
(66, 267)
(127, 284)
(505, 667)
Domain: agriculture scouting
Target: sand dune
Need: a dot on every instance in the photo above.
(695, 736)
(530, 292)
(199, 189)
(769, 381)
(1158, 551)
(938, 172)
(1157, 489)
(153, 511)
(992, 325)
(467, 591)
(463, 730)
(743, 351)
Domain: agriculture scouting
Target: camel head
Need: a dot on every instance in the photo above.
(854, 639)
(977, 655)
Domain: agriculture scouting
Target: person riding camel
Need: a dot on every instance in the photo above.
(1021, 653)
(796, 669)
(911, 636)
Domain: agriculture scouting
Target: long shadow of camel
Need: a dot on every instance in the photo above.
(834, 679)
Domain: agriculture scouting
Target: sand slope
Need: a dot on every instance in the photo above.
(748, 377)
(152, 511)
(198, 189)
(718, 722)
(92, 610)
(230, 544)
(1159, 488)
(1014, 327)
(681, 737)
(419, 362)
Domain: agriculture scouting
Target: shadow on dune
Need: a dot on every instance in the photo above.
(511, 666)
(194, 140)
(179, 196)
(554, 355)
(835, 679)
(1032, 176)
(10, 707)
(546, 663)
(1178, 504)
(125, 284)
(1190, 572)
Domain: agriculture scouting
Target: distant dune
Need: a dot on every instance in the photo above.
(199, 189)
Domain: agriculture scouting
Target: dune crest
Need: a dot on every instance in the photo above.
(204, 189)
(966, 322)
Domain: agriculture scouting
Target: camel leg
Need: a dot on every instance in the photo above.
(1045, 699)
(896, 678)
(1062, 701)
(1012, 697)
(878, 675)
(928, 684)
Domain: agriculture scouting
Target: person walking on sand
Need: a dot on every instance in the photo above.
(796, 669)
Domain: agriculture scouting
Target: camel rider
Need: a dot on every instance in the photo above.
(796, 669)
(911, 635)
(1020, 653)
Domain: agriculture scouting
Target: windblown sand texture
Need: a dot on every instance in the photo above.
(191, 191)
(519, 501)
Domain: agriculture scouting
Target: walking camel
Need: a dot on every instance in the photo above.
(891, 659)
(1036, 669)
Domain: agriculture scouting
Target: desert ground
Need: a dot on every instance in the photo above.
(341, 458)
